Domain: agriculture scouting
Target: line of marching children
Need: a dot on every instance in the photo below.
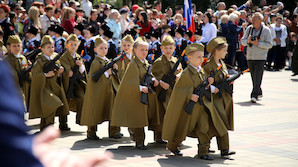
(134, 92)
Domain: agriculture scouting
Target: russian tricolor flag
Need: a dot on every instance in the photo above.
(188, 16)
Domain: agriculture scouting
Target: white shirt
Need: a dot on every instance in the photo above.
(82, 68)
(209, 32)
(87, 6)
(129, 56)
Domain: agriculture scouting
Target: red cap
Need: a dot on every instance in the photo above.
(135, 7)
(6, 8)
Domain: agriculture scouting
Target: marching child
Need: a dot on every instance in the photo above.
(177, 122)
(47, 97)
(74, 70)
(161, 67)
(18, 62)
(131, 112)
(99, 96)
(223, 104)
(126, 46)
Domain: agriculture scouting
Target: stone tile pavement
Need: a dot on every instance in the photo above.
(266, 133)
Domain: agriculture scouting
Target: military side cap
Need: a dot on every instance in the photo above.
(79, 27)
(59, 30)
(52, 27)
(108, 33)
(180, 31)
(215, 42)
(13, 39)
(91, 29)
(104, 27)
(155, 34)
(98, 41)
(194, 47)
(167, 40)
(128, 38)
(72, 37)
(143, 39)
(46, 39)
(33, 30)
(189, 33)
(5, 7)
(147, 35)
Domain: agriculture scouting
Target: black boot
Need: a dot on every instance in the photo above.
(206, 157)
(141, 146)
(226, 153)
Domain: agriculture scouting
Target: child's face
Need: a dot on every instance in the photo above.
(87, 34)
(168, 50)
(48, 49)
(198, 37)
(50, 13)
(76, 31)
(196, 58)
(101, 49)
(73, 47)
(222, 52)
(51, 33)
(153, 39)
(186, 37)
(137, 30)
(30, 36)
(126, 46)
(178, 35)
(15, 48)
(141, 51)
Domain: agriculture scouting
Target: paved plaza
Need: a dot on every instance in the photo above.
(266, 133)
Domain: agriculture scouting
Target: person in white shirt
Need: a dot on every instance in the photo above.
(87, 6)
(279, 35)
(46, 19)
(209, 30)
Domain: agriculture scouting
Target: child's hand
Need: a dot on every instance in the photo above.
(50, 74)
(70, 73)
(60, 71)
(164, 85)
(216, 90)
(155, 82)
(115, 66)
(210, 80)
(144, 89)
(194, 97)
(109, 71)
(79, 63)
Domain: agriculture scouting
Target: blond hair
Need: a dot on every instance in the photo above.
(66, 11)
(224, 19)
(33, 14)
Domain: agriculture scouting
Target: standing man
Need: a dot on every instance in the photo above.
(258, 40)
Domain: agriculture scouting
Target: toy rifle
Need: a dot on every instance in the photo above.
(52, 64)
(170, 78)
(225, 84)
(147, 81)
(98, 74)
(201, 91)
(74, 80)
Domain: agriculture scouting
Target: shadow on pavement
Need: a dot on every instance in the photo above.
(154, 149)
(191, 161)
(87, 143)
(248, 103)
(294, 80)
